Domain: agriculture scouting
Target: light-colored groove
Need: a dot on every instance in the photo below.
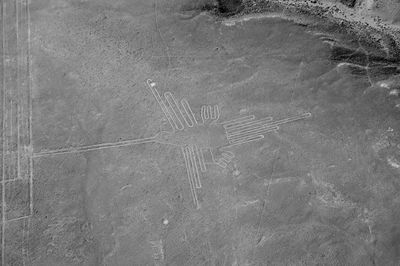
(12, 180)
(3, 177)
(290, 119)
(203, 166)
(195, 169)
(18, 219)
(160, 102)
(254, 131)
(30, 102)
(189, 176)
(206, 112)
(251, 134)
(245, 138)
(255, 138)
(216, 112)
(172, 105)
(203, 113)
(95, 147)
(186, 107)
(248, 129)
(247, 124)
(18, 174)
(210, 112)
(199, 155)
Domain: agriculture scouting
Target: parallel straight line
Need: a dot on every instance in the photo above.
(95, 147)
(160, 102)
(249, 129)
(195, 170)
(253, 132)
(255, 138)
(245, 124)
(188, 172)
(189, 113)
(203, 167)
(174, 115)
(18, 90)
(30, 103)
(3, 206)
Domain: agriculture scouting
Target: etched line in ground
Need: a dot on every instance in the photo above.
(196, 138)
(186, 152)
(95, 147)
(189, 113)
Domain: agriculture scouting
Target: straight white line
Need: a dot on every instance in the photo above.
(170, 95)
(188, 172)
(18, 90)
(202, 113)
(244, 138)
(206, 112)
(290, 119)
(191, 166)
(10, 147)
(254, 131)
(3, 205)
(252, 134)
(95, 147)
(210, 112)
(28, 225)
(249, 129)
(256, 138)
(171, 102)
(160, 102)
(23, 243)
(17, 219)
(229, 136)
(189, 113)
(244, 125)
(186, 117)
(195, 169)
(232, 122)
(200, 156)
(11, 180)
(216, 112)
(30, 102)
(213, 113)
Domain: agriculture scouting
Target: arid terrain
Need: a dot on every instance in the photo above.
(181, 132)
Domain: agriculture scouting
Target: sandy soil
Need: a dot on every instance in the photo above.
(157, 133)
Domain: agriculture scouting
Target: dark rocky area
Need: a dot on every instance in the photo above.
(349, 3)
(374, 22)
(230, 6)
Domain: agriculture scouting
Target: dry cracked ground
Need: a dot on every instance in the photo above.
(114, 161)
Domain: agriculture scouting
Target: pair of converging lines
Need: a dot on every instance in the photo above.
(247, 129)
(194, 159)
